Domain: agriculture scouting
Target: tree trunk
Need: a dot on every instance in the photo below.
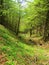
(46, 29)
(30, 32)
(1, 13)
(18, 26)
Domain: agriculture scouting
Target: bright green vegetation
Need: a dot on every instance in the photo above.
(19, 53)
(26, 16)
(24, 32)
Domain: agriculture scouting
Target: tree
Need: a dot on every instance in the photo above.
(1, 13)
(46, 29)
(19, 16)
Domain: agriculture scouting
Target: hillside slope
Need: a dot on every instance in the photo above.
(15, 52)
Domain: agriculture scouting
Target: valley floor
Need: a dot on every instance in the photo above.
(15, 52)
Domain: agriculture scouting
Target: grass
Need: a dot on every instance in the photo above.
(19, 53)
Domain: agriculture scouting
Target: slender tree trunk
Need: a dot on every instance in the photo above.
(30, 32)
(1, 13)
(19, 17)
(18, 26)
(46, 29)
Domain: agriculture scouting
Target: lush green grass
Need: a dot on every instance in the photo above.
(19, 53)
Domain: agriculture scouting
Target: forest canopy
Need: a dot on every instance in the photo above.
(26, 16)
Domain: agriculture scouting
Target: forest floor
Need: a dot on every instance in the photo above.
(15, 52)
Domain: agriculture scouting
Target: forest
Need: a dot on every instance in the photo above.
(24, 32)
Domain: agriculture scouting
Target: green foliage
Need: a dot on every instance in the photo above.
(19, 18)
(31, 19)
(18, 52)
